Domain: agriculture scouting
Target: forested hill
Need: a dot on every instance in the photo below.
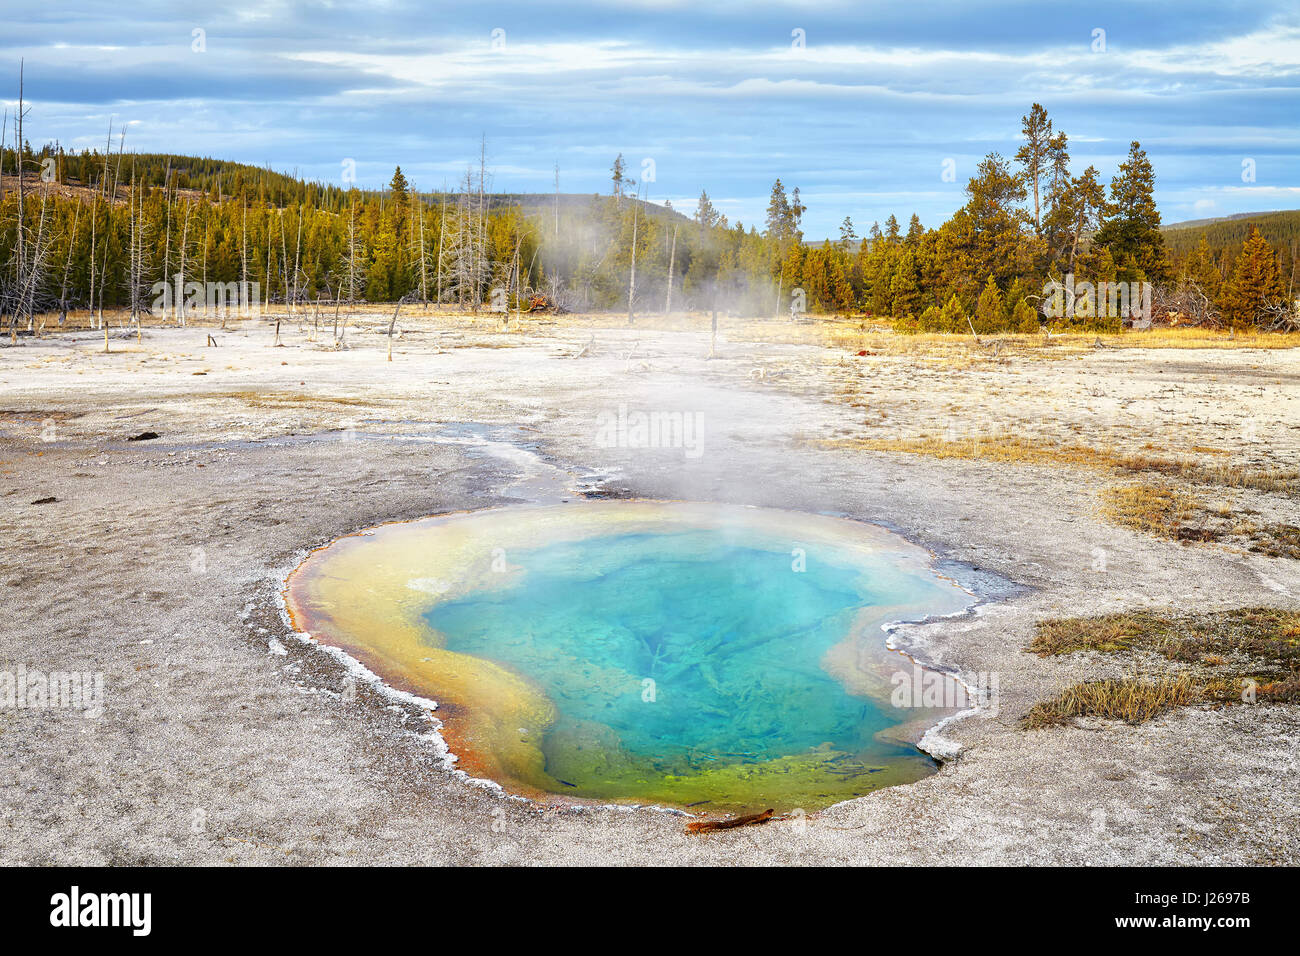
(199, 174)
(1281, 229)
(543, 205)
(220, 179)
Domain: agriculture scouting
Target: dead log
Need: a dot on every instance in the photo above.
(707, 826)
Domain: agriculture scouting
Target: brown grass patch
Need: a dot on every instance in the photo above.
(1155, 509)
(1265, 635)
(1127, 699)
(1166, 512)
(1136, 700)
(1225, 657)
(1016, 449)
(283, 400)
(1276, 541)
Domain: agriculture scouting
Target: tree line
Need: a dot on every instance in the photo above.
(105, 230)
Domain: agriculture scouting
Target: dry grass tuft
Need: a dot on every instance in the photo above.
(1155, 509)
(1226, 657)
(1127, 699)
(1262, 635)
(1106, 633)
(1135, 700)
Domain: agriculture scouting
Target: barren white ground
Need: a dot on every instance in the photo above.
(225, 740)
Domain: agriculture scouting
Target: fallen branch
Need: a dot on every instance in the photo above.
(706, 826)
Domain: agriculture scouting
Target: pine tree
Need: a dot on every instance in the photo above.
(847, 235)
(987, 235)
(1254, 285)
(1202, 270)
(1034, 155)
(989, 313)
(398, 187)
(705, 213)
(399, 194)
(904, 292)
(618, 177)
(1132, 224)
(780, 215)
(1024, 319)
(1075, 210)
(952, 318)
(931, 320)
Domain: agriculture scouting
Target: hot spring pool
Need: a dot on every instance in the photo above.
(712, 656)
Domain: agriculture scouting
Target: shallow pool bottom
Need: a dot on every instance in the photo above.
(694, 655)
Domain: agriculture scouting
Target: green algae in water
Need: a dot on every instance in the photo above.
(690, 667)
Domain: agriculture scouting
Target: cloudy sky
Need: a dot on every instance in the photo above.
(862, 104)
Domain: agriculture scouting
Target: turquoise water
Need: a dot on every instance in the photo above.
(670, 652)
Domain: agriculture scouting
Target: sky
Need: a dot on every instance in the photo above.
(870, 108)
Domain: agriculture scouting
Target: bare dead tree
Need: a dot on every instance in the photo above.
(284, 258)
(108, 224)
(179, 305)
(355, 278)
(1279, 315)
(20, 260)
(132, 259)
(37, 263)
(466, 244)
(266, 293)
(94, 216)
(513, 277)
(67, 266)
(297, 256)
(206, 234)
(138, 266)
(94, 209)
(167, 239)
(672, 256)
(480, 247)
(20, 279)
(351, 280)
(243, 257)
(631, 283)
(417, 238)
(393, 322)
(1186, 302)
(31, 253)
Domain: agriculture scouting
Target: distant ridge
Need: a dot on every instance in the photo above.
(193, 176)
(1281, 228)
(1194, 223)
(538, 204)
